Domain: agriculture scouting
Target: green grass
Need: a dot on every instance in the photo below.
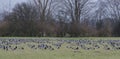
(62, 53)
(59, 54)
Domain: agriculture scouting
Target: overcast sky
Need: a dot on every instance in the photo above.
(9, 4)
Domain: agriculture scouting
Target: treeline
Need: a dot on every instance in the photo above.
(66, 18)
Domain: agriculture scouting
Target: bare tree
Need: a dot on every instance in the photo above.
(114, 8)
(45, 10)
(22, 20)
(62, 24)
(74, 9)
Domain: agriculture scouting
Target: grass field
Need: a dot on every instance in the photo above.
(62, 53)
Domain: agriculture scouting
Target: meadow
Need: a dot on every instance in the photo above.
(59, 48)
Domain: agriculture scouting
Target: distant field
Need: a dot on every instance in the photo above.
(68, 48)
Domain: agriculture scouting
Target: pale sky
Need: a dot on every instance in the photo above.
(8, 4)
